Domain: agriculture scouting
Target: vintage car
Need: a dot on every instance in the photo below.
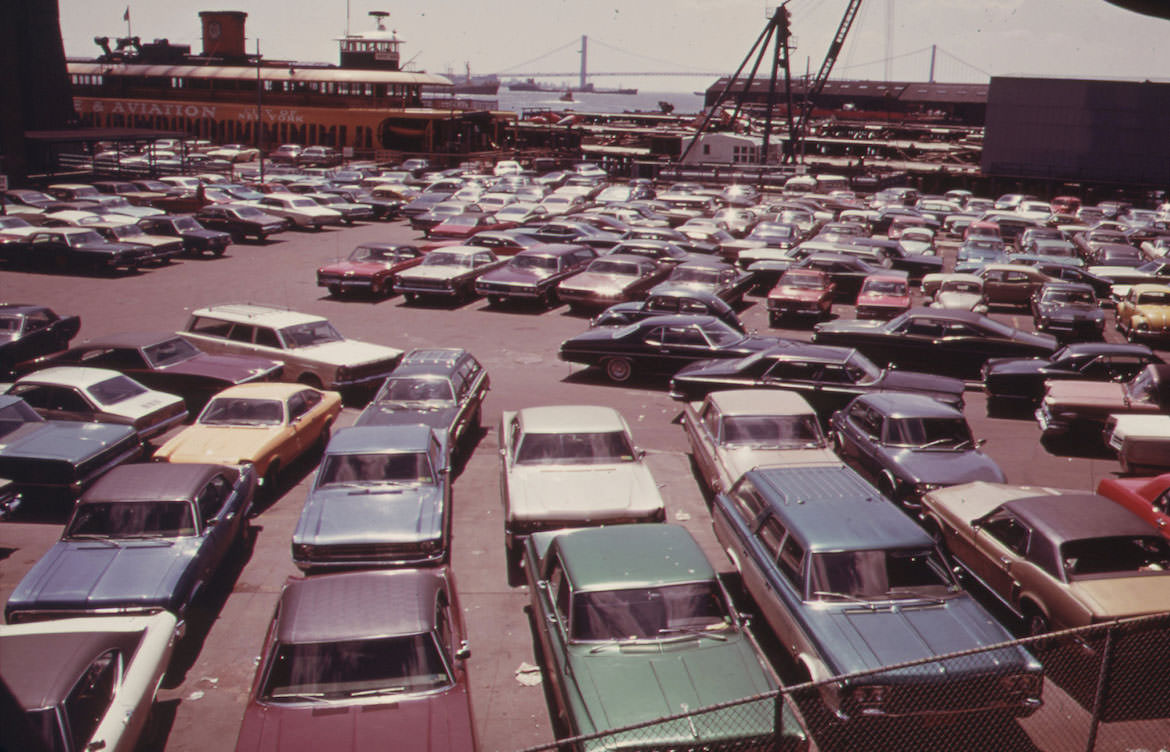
(370, 268)
(463, 226)
(908, 444)
(312, 351)
(1069, 310)
(235, 153)
(611, 279)
(84, 684)
(286, 154)
(1055, 558)
(669, 301)
(732, 431)
(350, 211)
(954, 343)
(883, 295)
(847, 272)
(533, 274)
(241, 221)
(302, 212)
(163, 248)
(660, 345)
(726, 281)
(1144, 312)
(851, 584)
(100, 395)
(828, 377)
(167, 363)
(1148, 498)
(382, 497)
(31, 331)
(58, 457)
(570, 466)
(74, 249)
(319, 156)
(960, 292)
(145, 537)
(800, 292)
(449, 272)
(363, 657)
(1011, 284)
(503, 242)
(1121, 278)
(197, 239)
(1079, 410)
(1142, 442)
(1024, 379)
(633, 625)
(266, 425)
(439, 212)
(441, 387)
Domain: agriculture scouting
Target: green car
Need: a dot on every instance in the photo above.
(634, 626)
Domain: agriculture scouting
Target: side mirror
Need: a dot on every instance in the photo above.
(463, 652)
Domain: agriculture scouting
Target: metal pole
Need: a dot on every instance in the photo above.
(933, 49)
(584, 49)
(259, 111)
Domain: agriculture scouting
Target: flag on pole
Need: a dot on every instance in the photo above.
(126, 15)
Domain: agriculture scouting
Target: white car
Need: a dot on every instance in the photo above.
(448, 272)
(100, 395)
(962, 292)
(302, 211)
(235, 153)
(91, 679)
(571, 466)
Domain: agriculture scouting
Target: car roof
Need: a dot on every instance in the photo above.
(760, 402)
(440, 361)
(127, 339)
(909, 405)
(41, 669)
(399, 438)
(21, 308)
(1150, 287)
(1076, 515)
(1065, 285)
(358, 605)
(570, 418)
(276, 390)
(1111, 348)
(252, 313)
(832, 508)
(623, 556)
(154, 481)
(80, 376)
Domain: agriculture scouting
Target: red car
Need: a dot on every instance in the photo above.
(370, 268)
(464, 225)
(1148, 498)
(883, 295)
(363, 661)
(801, 292)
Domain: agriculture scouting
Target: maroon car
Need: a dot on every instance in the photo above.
(1148, 498)
(801, 292)
(461, 226)
(363, 661)
(370, 268)
(534, 274)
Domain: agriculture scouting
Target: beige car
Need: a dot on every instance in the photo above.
(1011, 284)
(1144, 312)
(1056, 558)
(570, 466)
(735, 430)
(312, 351)
(267, 425)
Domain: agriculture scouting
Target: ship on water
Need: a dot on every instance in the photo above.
(530, 84)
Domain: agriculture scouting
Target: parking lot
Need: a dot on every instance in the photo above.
(203, 698)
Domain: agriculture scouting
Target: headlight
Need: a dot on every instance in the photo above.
(870, 697)
(1026, 685)
(301, 551)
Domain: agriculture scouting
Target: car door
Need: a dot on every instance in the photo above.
(914, 343)
(301, 423)
(55, 402)
(856, 430)
(220, 518)
(703, 431)
(669, 348)
(802, 377)
(999, 544)
(1114, 367)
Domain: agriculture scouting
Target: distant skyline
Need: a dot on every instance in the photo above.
(1071, 38)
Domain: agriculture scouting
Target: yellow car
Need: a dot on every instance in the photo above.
(266, 424)
(1144, 312)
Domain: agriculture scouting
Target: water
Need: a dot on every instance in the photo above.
(685, 102)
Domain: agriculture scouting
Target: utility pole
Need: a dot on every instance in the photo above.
(259, 111)
(584, 53)
(933, 49)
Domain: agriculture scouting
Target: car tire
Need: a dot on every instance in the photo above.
(513, 565)
(495, 301)
(218, 252)
(271, 480)
(335, 290)
(379, 288)
(409, 297)
(1035, 622)
(773, 319)
(548, 298)
(838, 443)
(619, 370)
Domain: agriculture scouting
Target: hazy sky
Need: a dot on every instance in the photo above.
(1080, 38)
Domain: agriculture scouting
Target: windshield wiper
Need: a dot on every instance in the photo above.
(845, 596)
(96, 537)
(311, 696)
(374, 692)
(695, 631)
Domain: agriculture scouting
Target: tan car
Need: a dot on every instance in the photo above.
(268, 425)
(1056, 558)
(1144, 312)
(735, 430)
(1011, 284)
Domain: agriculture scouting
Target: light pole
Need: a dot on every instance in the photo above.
(259, 112)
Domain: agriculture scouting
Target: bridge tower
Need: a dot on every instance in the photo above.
(584, 49)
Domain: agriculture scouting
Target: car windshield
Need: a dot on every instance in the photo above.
(78, 239)
(861, 369)
(974, 288)
(132, 519)
(408, 663)
(248, 212)
(885, 287)
(306, 335)
(169, 352)
(574, 448)
(772, 431)
(234, 411)
(695, 274)
(878, 574)
(369, 253)
(438, 258)
(1115, 554)
(649, 613)
(186, 224)
(10, 323)
(416, 389)
(537, 263)
(1068, 296)
(1154, 298)
(929, 433)
(116, 389)
(720, 334)
(378, 467)
(797, 279)
(616, 268)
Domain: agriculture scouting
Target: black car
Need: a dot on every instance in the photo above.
(197, 239)
(709, 274)
(534, 274)
(1068, 310)
(1102, 287)
(571, 231)
(1022, 379)
(846, 271)
(30, 331)
(827, 377)
(670, 300)
(951, 342)
(908, 444)
(917, 265)
(241, 221)
(74, 249)
(660, 345)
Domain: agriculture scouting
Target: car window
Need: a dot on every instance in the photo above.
(49, 397)
(37, 320)
(267, 337)
(790, 370)
(710, 418)
(790, 563)
(311, 397)
(297, 406)
(211, 498)
(241, 333)
(771, 534)
(1010, 532)
(558, 585)
(92, 696)
(209, 326)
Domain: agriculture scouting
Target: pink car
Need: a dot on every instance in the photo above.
(883, 295)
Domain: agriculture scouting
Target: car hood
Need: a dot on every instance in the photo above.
(792, 292)
(871, 298)
(582, 492)
(349, 352)
(741, 459)
(227, 444)
(511, 274)
(64, 440)
(434, 272)
(99, 574)
(401, 415)
(1072, 312)
(960, 300)
(144, 404)
(1121, 597)
(897, 380)
(597, 281)
(1158, 317)
(371, 513)
(231, 368)
(948, 467)
(358, 268)
(670, 678)
(430, 723)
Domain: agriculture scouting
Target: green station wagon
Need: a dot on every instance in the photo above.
(634, 626)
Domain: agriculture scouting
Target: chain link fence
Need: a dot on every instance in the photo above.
(1104, 688)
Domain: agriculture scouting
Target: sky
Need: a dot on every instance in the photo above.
(890, 39)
